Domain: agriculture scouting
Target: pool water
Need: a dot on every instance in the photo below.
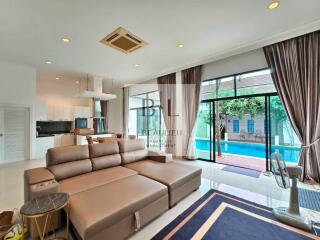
(289, 154)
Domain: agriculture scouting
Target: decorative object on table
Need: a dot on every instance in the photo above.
(283, 174)
(119, 135)
(219, 215)
(45, 207)
(90, 140)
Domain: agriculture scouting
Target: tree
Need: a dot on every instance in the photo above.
(233, 107)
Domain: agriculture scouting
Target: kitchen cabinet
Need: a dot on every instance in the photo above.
(42, 145)
(82, 112)
(41, 111)
(60, 113)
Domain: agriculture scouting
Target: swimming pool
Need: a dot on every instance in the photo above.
(289, 154)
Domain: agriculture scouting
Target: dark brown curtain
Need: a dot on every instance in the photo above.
(295, 65)
(104, 112)
(167, 93)
(191, 84)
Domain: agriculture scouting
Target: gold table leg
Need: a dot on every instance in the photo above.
(67, 230)
(23, 233)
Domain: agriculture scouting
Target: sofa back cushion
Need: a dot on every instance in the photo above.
(69, 161)
(104, 155)
(132, 150)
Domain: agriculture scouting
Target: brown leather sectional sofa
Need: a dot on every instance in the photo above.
(115, 188)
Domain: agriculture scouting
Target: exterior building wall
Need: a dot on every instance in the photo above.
(258, 134)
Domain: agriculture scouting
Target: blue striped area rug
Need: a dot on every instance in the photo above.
(309, 199)
(221, 216)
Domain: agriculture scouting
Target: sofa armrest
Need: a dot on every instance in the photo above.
(39, 182)
(160, 156)
(38, 175)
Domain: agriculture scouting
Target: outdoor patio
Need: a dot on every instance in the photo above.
(242, 161)
(258, 164)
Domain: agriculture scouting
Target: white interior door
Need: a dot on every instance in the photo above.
(14, 134)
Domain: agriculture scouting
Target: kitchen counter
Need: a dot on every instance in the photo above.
(45, 135)
(82, 138)
(96, 134)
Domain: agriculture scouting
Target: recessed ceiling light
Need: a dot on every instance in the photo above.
(65, 40)
(180, 45)
(48, 62)
(273, 5)
(57, 78)
(137, 65)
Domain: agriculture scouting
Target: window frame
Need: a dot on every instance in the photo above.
(146, 108)
(250, 126)
(238, 126)
(234, 76)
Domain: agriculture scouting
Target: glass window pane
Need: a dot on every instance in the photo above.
(154, 128)
(255, 83)
(202, 140)
(239, 136)
(154, 99)
(283, 137)
(217, 88)
(137, 101)
(132, 124)
(145, 118)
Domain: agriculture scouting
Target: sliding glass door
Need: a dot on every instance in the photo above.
(244, 131)
(240, 133)
(145, 119)
(242, 121)
(283, 139)
(204, 128)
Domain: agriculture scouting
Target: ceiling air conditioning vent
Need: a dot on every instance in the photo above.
(123, 41)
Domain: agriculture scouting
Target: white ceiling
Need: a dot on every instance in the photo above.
(31, 31)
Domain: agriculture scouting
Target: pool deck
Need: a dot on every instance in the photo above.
(258, 164)
(242, 161)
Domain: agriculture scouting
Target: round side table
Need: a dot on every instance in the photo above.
(45, 207)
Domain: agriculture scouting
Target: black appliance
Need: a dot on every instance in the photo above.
(81, 123)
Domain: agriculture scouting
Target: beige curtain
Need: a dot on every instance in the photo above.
(167, 92)
(295, 65)
(191, 84)
(104, 112)
(125, 112)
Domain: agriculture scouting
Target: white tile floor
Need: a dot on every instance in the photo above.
(262, 190)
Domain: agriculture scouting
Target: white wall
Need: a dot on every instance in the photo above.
(244, 62)
(18, 88)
